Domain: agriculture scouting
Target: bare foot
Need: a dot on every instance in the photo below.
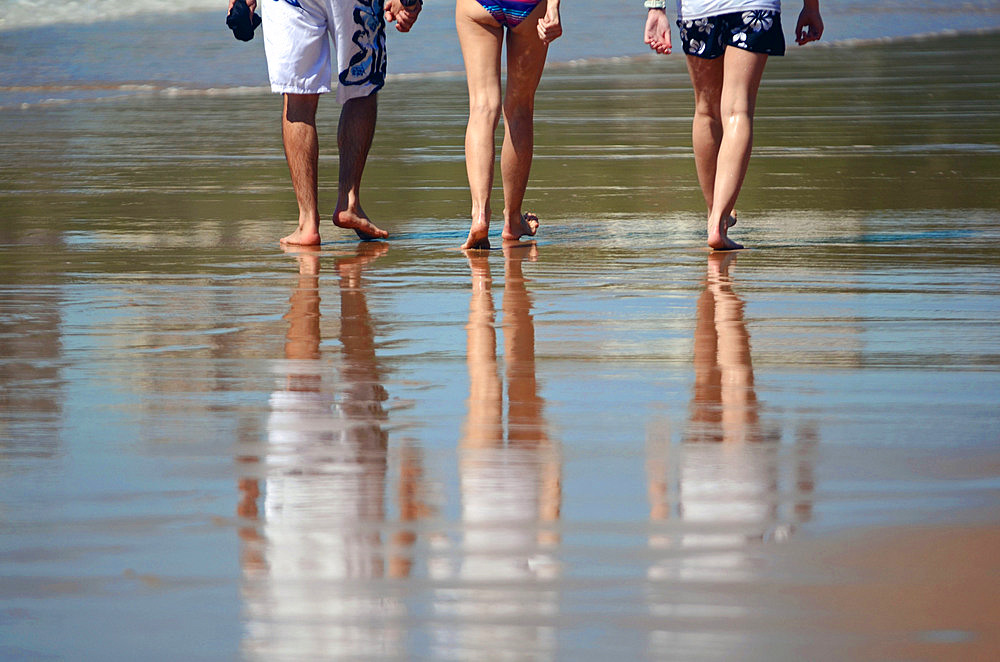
(717, 239)
(365, 229)
(301, 237)
(526, 224)
(479, 236)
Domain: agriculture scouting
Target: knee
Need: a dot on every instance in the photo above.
(708, 112)
(737, 118)
(518, 113)
(301, 107)
(485, 109)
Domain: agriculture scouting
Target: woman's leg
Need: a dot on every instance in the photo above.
(525, 61)
(741, 74)
(739, 99)
(706, 128)
(481, 39)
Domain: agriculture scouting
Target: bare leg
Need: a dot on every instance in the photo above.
(354, 138)
(725, 98)
(526, 423)
(484, 423)
(301, 141)
(738, 398)
(481, 38)
(525, 61)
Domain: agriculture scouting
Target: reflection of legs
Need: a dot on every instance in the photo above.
(738, 398)
(525, 61)
(363, 391)
(411, 508)
(303, 316)
(485, 420)
(724, 406)
(354, 138)
(525, 420)
(298, 133)
(706, 401)
(725, 99)
(524, 416)
(481, 38)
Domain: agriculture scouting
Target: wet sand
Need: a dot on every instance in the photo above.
(604, 443)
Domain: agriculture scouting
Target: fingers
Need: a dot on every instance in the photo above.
(403, 16)
(549, 26)
(809, 27)
(657, 32)
(549, 30)
(806, 34)
(658, 43)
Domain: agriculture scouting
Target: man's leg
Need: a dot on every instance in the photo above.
(301, 141)
(354, 139)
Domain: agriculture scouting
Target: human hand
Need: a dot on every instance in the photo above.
(657, 33)
(251, 4)
(809, 27)
(549, 26)
(403, 13)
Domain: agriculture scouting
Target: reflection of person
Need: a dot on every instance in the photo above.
(297, 36)
(324, 488)
(531, 493)
(724, 406)
(728, 481)
(530, 27)
(727, 43)
(509, 481)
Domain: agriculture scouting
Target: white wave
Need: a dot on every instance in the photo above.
(34, 13)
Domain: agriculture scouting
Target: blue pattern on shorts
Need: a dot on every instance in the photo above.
(755, 30)
(368, 65)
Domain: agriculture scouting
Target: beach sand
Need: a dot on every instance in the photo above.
(605, 443)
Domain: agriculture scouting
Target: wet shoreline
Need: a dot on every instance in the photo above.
(606, 442)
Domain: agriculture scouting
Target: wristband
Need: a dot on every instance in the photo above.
(655, 4)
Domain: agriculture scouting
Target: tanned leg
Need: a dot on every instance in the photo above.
(725, 98)
(706, 128)
(739, 99)
(481, 39)
(525, 62)
(301, 141)
(354, 139)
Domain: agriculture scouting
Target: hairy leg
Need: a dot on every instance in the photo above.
(743, 72)
(525, 62)
(301, 142)
(481, 39)
(354, 139)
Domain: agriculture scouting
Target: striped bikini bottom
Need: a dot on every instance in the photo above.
(508, 12)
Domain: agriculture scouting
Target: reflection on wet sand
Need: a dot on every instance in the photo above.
(726, 484)
(308, 574)
(509, 481)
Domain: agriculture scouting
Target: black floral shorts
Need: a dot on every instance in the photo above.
(755, 30)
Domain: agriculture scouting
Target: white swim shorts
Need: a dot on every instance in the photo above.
(297, 36)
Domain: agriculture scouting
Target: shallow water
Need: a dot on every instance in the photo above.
(605, 442)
